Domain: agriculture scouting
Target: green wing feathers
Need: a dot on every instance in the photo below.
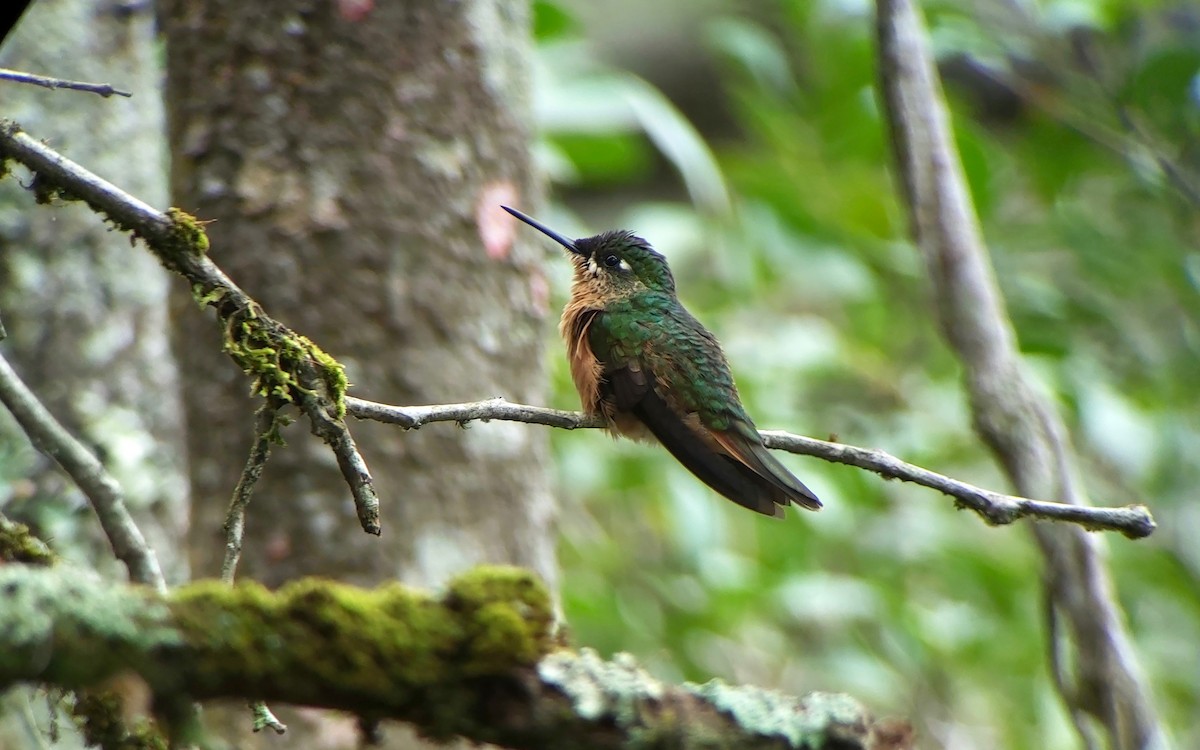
(672, 377)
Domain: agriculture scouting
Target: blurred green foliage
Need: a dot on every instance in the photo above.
(1078, 124)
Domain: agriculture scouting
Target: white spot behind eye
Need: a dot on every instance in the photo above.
(624, 266)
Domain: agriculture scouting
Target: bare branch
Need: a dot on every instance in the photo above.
(266, 425)
(105, 495)
(996, 508)
(412, 417)
(103, 89)
(1134, 521)
(285, 365)
(328, 425)
(1019, 425)
(266, 422)
(264, 719)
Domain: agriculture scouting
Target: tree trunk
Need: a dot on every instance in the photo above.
(352, 156)
(86, 314)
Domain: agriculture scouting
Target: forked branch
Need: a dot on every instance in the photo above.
(284, 365)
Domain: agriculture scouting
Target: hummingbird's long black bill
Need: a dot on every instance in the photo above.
(560, 239)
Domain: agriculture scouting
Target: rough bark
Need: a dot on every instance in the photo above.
(350, 155)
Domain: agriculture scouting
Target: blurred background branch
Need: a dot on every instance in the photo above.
(1100, 676)
(106, 496)
(103, 89)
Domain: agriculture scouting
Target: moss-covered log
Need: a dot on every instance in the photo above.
(478, 661)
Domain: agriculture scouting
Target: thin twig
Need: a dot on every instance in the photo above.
(1134, 521)
(264, 719)
(179, 244)
(1086, 58)
(996, 508)
(105, 495)
(412, 417)
(235, 518)
(103, 89)
(266, 423)
(332, 429)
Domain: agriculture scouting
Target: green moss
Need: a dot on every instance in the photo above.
(499, 637)
(274, 434)
(333, 373)
(489, 583)
(187, 233)
(274, 355)
(391, 651)
(383, 645)
(508, 614)
(211, 297)
(212, 616)
(19, 545)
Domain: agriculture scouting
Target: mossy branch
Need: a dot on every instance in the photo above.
(97, 713)
(478, 661)
(19, 545)
(285, 366)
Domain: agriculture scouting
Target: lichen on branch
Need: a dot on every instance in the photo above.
(389, 651)
(480, 660)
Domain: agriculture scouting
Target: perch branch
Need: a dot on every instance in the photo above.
(96, 712)
(103, 89)
(996, 508)
(1020, 426)
(102, 491)
(284, 364)
(479, 661)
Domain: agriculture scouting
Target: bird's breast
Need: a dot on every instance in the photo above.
(586, 369)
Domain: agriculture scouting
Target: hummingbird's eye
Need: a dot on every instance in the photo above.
(612, 261)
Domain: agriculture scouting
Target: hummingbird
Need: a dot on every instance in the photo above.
(645, 365)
